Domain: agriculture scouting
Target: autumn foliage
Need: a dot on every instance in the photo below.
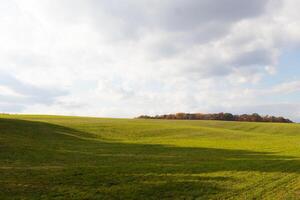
(220, 116)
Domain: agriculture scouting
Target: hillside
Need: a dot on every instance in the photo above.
(56, 157)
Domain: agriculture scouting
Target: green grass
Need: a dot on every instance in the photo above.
(53, 157)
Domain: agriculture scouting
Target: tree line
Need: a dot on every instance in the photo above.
(220, 116)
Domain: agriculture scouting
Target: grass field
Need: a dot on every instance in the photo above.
(52, 157)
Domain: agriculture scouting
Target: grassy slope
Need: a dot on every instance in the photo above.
(92, 158)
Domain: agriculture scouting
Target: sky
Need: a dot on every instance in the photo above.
(124, 58)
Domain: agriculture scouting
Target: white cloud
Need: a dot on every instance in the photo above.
(287, 87)
(113, 58)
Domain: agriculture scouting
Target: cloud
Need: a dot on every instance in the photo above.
(125, 58)
(16, 95)
(287, 87)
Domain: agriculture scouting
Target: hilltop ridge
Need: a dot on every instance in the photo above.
(220, 116)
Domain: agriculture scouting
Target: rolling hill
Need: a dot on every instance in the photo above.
(58, 157)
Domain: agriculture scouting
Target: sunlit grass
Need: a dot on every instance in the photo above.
(55, 157)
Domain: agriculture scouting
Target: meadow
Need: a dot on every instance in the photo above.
(58, 157)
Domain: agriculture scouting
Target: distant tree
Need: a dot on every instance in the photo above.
(220, 116)
(180, 116)
(228, 117)
(256, 117)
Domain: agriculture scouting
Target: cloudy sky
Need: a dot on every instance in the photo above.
(123, 58)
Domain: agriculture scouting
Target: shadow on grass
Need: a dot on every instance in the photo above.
(56, 160)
